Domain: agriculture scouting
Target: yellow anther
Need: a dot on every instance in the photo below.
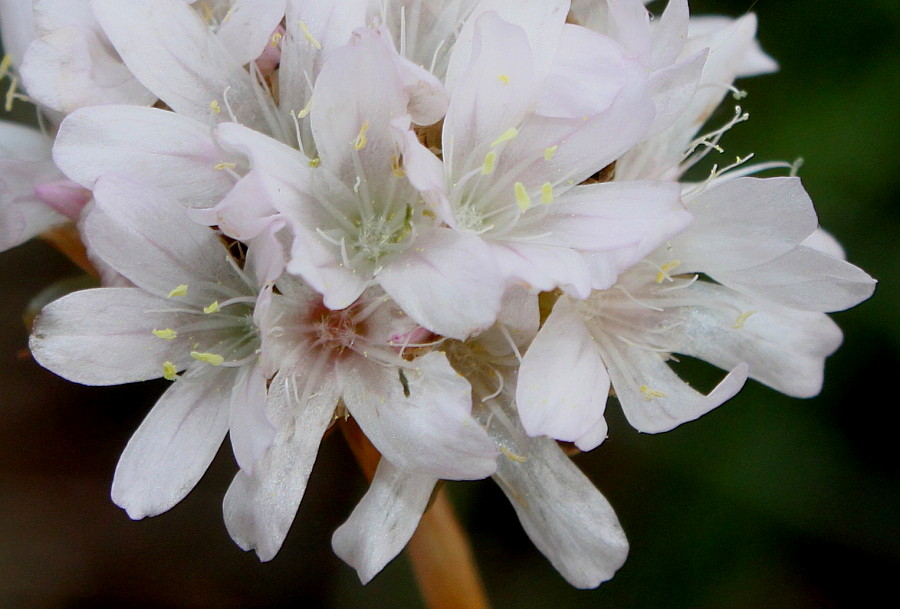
(276, 38)
(5, 64)
(315, 162)
(396, 169)
(165, 334)
(509, 134)
(522, 198)
(511, 455)
(488, 167)
(547, 193)
(11, 94)
(305, 111)
(743, 317)
(179, 291)
(228, 15)
(169, 371)
(213, 359)
(309, 36)
(504, 79)
(213, 307)
(663, 273)
(361, 140)
(224, 165)
(549, 152)
(215, 107)
(651, 394)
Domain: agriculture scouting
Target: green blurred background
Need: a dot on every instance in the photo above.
(768, 501)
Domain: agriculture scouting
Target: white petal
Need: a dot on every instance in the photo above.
(568, 519)
(105, 336)
(563, 384)
(447, 282)
(172, 448)
(654, 398)
(383, 521)
(248, 28)
(744, 222)
(174, 153)
(804, 279)
(428, 431)
(173, 53)
(149, 239)
(543, 267)
(260, 508)
(786, 348)
(250, 430)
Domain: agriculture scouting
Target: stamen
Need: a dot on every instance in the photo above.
(743, 317)
(181, 290)
(522, 198)
(213, 307)
(549, 152)
(361, 140)
(165, 334)
(276, 38)
(169, 371)
(5, 64)
(305, 111)
(315, 162)
(509, 134)
(488, 167)
(504, 79)
(396, 169)
(224, 165)
(511, 455)
(309, 36)
(651, 394)
(212, 359)
(215, 107)
(547, 193)
(663, 273)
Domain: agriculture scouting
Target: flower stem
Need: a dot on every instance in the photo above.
(441, 555)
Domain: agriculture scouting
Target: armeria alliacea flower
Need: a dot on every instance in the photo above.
(460, 224)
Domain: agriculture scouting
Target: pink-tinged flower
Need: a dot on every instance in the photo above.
(190, 319)
(762, 320)
(415, 411)
(28, 180)
(520, 135)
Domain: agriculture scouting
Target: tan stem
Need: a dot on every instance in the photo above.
(66, 239)
(441, 555)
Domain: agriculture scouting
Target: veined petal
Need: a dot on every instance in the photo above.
(105, 336)
(174, 153)
(260, 508)
(172, 448)
(744, 222)
(384, 520)
(805, 279)
(423, 426)
(543, 267)
(447, 282)
(147, 237)
(172, 52)
(251, 431)
(248, 27)
(562, 512)
(563, 384)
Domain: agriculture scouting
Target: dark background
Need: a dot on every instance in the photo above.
(768, 501)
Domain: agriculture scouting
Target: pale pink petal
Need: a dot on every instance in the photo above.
(543, 267)
(172, 52)
(383, 521)
(147, 237)
(63, 196)
(447, 282)
(563, 384)
(260, 508)
(669, 34)
(562, 512)
(422, 425)
(744, 222)
(173, 152)
(248, 27)
(172, 448)
(251, 431)
(105, 336)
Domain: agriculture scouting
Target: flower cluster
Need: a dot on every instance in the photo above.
(461, 223)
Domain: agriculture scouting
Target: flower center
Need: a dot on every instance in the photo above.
(335, 331)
